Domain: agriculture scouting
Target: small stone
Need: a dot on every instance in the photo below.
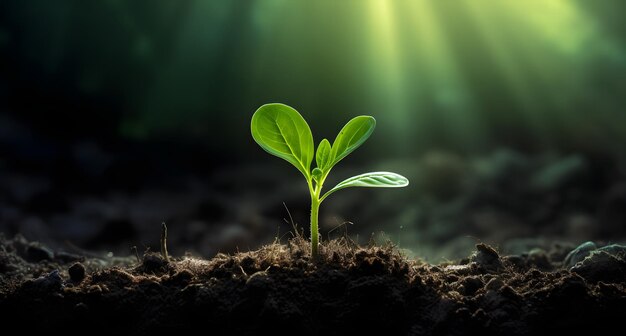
(601, 266)
(487, 257)
(51, 282)
(77, 272)
(36, 253)
(578, 254)
(487, 251)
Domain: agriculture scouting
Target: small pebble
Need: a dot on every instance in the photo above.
(77, 272)
(51, 282)
(37, 253)
(487, 257)
(601, 266)
(578, 254)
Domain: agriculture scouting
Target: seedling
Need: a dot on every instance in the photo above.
(281, 131)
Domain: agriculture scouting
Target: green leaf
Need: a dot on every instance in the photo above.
(281, 131)
(322, 156)
(316, 174)
(371, 180)
(351, 136)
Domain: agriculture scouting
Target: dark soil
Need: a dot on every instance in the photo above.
(279, 290)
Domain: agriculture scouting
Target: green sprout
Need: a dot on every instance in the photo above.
(281, 131)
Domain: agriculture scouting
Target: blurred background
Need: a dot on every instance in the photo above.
(507, 116)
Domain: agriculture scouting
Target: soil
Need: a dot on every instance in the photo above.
(516, 201)
(278, 289)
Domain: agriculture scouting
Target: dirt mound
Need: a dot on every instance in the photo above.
(279, 290)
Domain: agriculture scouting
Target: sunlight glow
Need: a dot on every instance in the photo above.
(386, 55)
(457, 74)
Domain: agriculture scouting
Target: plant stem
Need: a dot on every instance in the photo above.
(315, 206)
(164, 242)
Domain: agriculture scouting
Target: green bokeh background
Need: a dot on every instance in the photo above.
(461, 75)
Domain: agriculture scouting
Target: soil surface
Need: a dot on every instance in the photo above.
(279, 290)
(506, 198)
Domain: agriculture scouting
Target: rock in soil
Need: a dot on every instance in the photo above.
(601, 266)
(579, 253)
(77, 272)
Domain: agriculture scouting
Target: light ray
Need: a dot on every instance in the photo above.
(387, 63)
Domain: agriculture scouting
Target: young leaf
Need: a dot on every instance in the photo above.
(316, 174)
(322, 157)
(371, 180)
(281, 131)
(351, 136)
